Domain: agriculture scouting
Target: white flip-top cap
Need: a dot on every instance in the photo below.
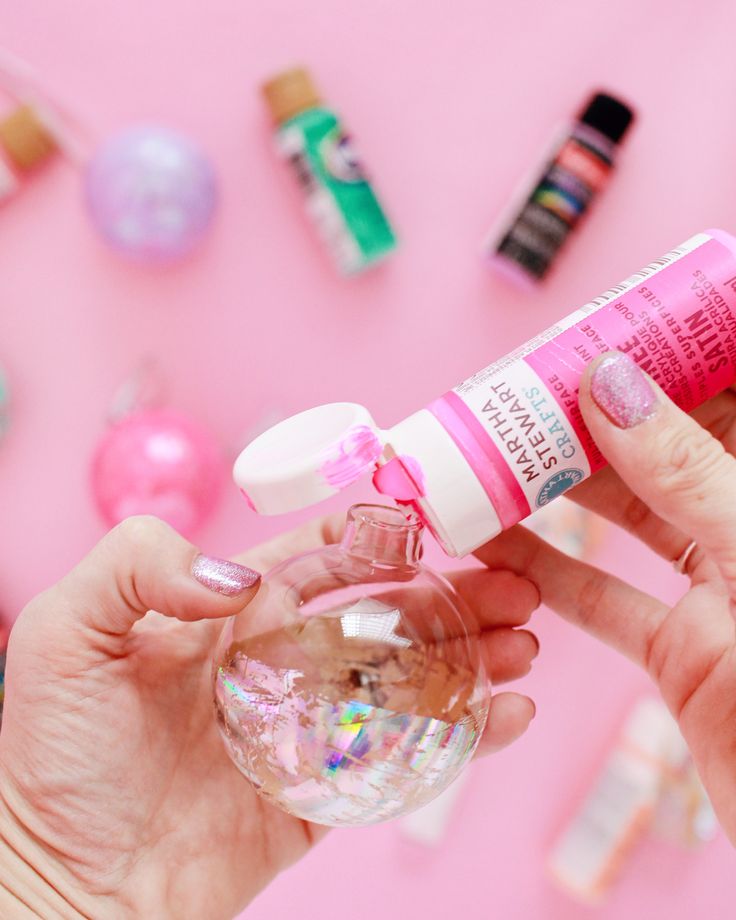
(308, 457)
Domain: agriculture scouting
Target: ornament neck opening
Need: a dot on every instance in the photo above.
(383, 535)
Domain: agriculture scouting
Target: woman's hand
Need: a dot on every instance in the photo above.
(672, 481)
(117, 798)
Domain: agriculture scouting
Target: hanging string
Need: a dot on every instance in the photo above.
(143, 389)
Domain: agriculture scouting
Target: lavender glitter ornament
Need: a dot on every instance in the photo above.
(151, 193)
(160, 462)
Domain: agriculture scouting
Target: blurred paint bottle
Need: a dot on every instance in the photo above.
(525, 243)
(340, 200)
(428, 825)
(647, 784)
(570, 528)
(684, 814)
(25, 143)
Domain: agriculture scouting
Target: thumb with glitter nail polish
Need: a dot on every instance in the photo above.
(677, 474)
(116, 796)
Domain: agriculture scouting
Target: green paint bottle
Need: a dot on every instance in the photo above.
(339, 198)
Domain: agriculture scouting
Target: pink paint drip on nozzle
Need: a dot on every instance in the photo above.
(401, 478)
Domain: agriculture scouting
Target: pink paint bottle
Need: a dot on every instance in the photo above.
(511, 438)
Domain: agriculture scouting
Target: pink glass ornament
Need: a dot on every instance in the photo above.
(160, 462)
(151, 193)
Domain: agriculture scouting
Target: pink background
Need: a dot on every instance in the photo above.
(450, 108)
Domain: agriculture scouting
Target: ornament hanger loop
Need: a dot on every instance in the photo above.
(143, 389)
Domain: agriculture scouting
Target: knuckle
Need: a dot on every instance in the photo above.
(34, 611)
(685, 462)
(331, 528)
(140, 530)
(636, 513)
(591, 597)
(521, 597)
(531, 644)
(40, 628)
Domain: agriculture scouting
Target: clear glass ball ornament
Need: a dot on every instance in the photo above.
(352, 690)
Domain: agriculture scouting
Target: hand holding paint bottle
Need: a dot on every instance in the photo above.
(614, 380)
(672, 484)
(511, 438)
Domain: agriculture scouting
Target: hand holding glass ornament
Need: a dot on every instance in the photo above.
(354, 688)
(182, 834)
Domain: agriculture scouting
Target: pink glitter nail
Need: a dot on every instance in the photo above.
(623, 391)
(223, 576)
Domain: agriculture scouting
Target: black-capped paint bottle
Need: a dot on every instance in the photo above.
(525, 242)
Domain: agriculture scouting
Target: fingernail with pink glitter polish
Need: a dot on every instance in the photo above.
(623, 391)
(223, 576)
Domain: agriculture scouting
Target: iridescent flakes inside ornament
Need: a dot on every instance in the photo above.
(352, 689)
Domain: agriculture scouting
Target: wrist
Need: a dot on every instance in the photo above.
(33, 884)
(25, 892)
(24, 899)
